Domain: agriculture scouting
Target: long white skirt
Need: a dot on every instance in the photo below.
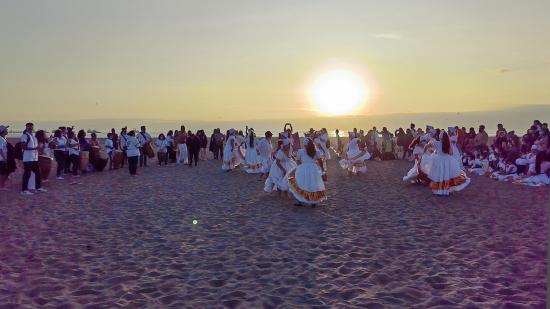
(446, 175)
(229, 159)
(420, 169)
(534, 181)
(457, 155)
(182, 155)
(356, 162)
(306, 184)
(276, 179)
(266, 162)
(252, 162)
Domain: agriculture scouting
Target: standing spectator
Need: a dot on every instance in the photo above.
(193, 147)
(4, 171)
(213, 147)
(30, 160)
(203, 142)
(339, 143)
(132, 149)
(143, 138)
(469, 142)
(122, 143)
(413, 129)
(481, 140)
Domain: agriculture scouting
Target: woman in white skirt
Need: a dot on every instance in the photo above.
(355, 157)
(229, 159)
(252, 164)
(266, 154)
(454, 148)
(305, 181)
(446, 174)
(418, 173)
(279, 168)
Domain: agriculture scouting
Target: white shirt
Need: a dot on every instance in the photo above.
(143, 138)
(170, 140)
(61, 143)
(3, 149)
(161, 145)
(109, 145)
(265, 148)
(29, 141)
(74, 147)
(123, 140)
(133, 146)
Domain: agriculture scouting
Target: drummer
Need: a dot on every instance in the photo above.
(122, 143)
(162, 149)
(94, 142)
(30, 160)
(74, 153)
(110, 149)
(60, 142)
(143, 138)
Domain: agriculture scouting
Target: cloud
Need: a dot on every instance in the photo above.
(388, 36)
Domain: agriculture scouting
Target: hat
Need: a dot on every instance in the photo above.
(3, 128)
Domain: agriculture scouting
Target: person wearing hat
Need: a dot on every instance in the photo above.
(30, 160)
(4, 172)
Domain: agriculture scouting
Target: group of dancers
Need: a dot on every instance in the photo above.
(292, 169)
(438, 162)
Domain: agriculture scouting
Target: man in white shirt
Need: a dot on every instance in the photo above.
(3, 157)
(143, 138)
(30, 160)
(123, 140)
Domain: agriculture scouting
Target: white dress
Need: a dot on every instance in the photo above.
(456, 153)
(276, 178)
(305, 181)
(324, 141)
(445, 173)
(238, 150)
(266, 154)
(252, 163)
(412, 175)
(229, 159)
(355, 158)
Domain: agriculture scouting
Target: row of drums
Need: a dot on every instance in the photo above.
(96, 160)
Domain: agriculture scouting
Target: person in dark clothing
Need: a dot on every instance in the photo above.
(213, 147)
(203, 142)
(193, 147)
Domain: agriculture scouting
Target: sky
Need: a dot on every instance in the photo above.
(242, 60)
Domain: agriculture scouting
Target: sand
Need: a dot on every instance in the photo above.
(116, 241)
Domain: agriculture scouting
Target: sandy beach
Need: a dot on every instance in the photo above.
(115, 241)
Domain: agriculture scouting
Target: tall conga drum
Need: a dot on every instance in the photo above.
(101, 161)
(84, 160)
(94, 153)
(117, 158)
(149, 151)
(45, 166)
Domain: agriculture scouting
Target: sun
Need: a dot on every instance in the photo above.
(338, 92)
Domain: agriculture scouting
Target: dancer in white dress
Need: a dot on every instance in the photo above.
(279, 168)
(252, 163)
(239, 149)
(229, 159)
(445, 173)
(355, 158)
(325, 143)
(417, 173)
(266, 153)
(454, 148)
(305, 181)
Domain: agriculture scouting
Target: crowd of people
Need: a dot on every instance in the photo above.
(291, 165)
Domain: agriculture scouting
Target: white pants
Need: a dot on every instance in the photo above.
(182, 154)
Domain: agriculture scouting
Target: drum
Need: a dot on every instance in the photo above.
(94, 153)
(117, 159)
(45, 166)
(162, 156)
(148, 150)
(84, 160)
(101, 161)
